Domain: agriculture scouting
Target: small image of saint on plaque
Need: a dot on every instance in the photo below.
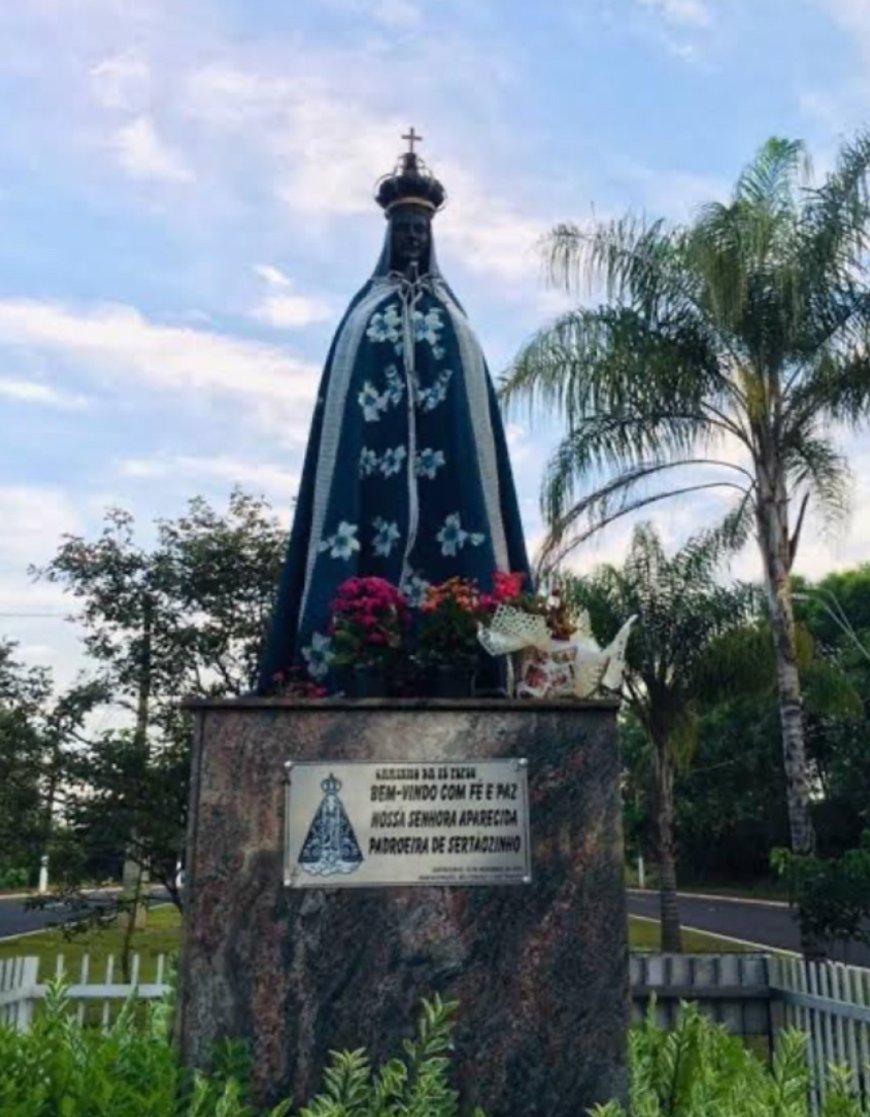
(330, 845)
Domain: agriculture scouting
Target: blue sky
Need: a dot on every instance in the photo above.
(185, 208)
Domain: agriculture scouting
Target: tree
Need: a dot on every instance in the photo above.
(185, 616)
(745, 330)
(681, 611)
(40, 732)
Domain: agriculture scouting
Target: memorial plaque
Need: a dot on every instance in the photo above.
(403, 823)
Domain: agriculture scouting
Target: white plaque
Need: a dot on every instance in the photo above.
(358, 824)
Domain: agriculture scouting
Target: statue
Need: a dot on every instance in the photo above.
(406, 475)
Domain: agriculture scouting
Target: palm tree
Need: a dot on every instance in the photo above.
(744, 331)
(682, 613)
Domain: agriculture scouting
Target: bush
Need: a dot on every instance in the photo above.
(60, 1069)
(14, 878)
(700, 1070)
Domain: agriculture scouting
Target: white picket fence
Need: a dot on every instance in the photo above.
(762, 994)
(21, 989)
(751, 994)
(830, 1003)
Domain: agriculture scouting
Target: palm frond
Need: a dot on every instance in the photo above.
(814, 464)
(770, 180)
(613, 359)
(837, 385)
(834, 224)
(603, 507)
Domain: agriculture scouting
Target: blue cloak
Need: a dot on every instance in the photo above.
(406, 474)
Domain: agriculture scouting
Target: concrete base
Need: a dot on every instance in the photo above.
(540, 971)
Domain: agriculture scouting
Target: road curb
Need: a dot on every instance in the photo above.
(714, 896)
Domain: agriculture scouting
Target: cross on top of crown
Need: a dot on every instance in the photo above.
(412, 138)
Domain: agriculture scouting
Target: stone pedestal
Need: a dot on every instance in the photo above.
(539, 970)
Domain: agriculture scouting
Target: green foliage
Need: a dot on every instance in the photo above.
(13, 878)
(185, 615)
(698, 1069)
(748, 325)
(832, 894)
(729, 352)
(674, 657)
(60, 1069)
(39, 734)
(416, 1085)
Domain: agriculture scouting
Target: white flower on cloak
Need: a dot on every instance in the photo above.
(368, 462)
(372, 402)
(386, 536)
(414, 588)
(318, 655)
(453, 536)
(429, 398)
(343, 543)
(428, 463)
(428, 326)
(385, 325)
(395, 385)
(391, 462)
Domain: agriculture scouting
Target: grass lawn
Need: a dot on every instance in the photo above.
(163, 932)
(161, 936)
(644, 935)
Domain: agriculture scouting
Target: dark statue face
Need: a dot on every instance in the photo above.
(411, 235)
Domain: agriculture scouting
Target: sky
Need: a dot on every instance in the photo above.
(186, 208)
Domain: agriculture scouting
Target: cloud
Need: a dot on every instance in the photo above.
(34, 517)
(34, 613)
(143, 155)
(324, 149)
(119, 341)
(397, 15)
(28, 391)
(272, 275)
(284, 312)
(682, 13)
(261, 476)
(120, 81)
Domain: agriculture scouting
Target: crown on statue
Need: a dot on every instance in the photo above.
(410, 183)
(330, 786)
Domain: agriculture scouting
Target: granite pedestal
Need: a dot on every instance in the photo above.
(540, 970)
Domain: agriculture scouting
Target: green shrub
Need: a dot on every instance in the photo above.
(14, 878)
(61, 1069)
(698, 1069)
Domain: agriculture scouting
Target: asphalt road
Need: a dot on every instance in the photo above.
(755, 921)
(768, 925)
(15, 919)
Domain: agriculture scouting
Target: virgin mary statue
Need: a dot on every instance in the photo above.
(406, 474)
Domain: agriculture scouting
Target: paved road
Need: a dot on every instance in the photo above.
(15, 919)
(757, 922)
(767, 924)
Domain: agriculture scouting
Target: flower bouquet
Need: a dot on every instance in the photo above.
(447, 645)
(553, 651)
(370, 619)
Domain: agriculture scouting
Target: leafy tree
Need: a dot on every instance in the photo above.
(40, 732)
(730, 804)
(671, 662)
(832, 895)
(745, 330)
(183, 616)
